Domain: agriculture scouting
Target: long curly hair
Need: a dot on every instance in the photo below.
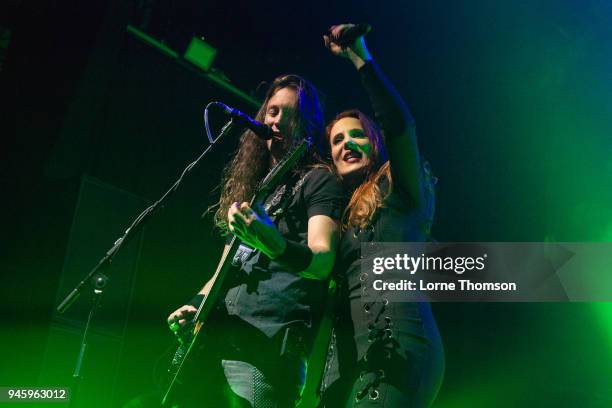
(368, 197)
(252, 161)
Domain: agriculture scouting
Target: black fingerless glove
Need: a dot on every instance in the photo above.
(390, 109)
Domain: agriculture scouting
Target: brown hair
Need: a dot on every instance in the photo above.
(367, 197)
(252, 160)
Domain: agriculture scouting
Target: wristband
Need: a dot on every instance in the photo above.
(296, 257)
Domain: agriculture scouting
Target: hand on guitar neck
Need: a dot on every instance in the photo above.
(181, 322)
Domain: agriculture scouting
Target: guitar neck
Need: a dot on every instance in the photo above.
(215, 283)
(271, 181)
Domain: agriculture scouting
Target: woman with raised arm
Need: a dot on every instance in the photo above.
(382, 353)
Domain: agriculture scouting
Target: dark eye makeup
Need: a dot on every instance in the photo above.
(338, 138)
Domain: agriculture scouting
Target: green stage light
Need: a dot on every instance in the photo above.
(200, 54)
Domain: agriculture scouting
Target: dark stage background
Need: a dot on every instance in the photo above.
(512, 99)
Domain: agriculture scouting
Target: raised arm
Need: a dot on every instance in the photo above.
(392, 114)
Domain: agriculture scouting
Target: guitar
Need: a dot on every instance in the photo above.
(183, 352)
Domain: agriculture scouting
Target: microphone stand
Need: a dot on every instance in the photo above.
(99, 280)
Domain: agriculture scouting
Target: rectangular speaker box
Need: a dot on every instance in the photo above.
(102, 214)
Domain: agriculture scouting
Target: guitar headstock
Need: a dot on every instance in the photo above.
(293, 155)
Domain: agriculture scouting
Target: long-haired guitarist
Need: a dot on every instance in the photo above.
(262, 331)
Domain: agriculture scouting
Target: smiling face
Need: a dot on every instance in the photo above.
(351, 149)
(279, 115)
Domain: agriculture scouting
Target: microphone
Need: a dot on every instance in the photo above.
(264, 132)
(349, 35)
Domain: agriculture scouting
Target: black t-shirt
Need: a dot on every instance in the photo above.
(265, 295)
